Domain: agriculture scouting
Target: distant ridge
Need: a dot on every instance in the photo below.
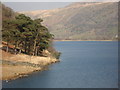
(81, 21)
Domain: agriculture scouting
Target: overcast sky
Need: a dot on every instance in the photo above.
(25, 5)
(29, 6)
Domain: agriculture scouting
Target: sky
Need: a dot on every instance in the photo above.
(25, 5)
(30, 6)
(58, 0)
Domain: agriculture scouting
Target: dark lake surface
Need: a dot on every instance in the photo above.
(84, 64)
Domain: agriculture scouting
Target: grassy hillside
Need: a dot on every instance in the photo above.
(81, 21)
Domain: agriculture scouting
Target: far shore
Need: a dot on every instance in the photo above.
(85, 40)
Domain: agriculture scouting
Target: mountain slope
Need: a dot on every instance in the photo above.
(81, 21)
(7, 13)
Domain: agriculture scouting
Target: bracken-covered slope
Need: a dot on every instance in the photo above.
(81, 21)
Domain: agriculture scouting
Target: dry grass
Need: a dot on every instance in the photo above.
(10, 71)
(13, 72)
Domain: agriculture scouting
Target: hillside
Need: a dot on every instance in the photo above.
(7, 13)
(81, 21)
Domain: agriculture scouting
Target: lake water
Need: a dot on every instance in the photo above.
(84, 64)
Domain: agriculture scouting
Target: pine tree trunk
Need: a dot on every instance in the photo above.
(34, 47)
(25, 45)
(19, 51)
(29, 48)
(36, 51)
(7, 48)
(15, 51)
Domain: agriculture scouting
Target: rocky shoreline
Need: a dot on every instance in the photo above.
(21, 65)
